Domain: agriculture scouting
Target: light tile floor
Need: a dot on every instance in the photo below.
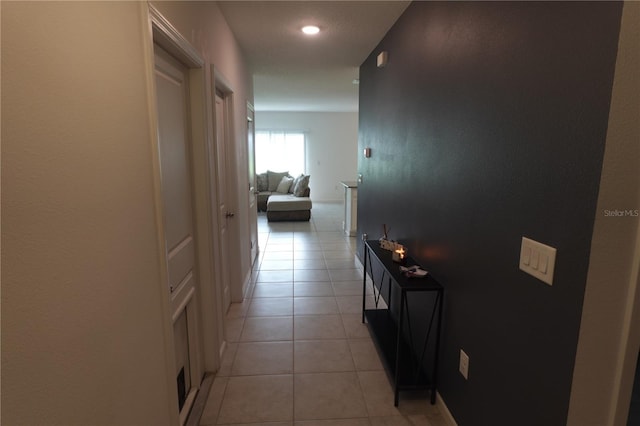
(297, 350)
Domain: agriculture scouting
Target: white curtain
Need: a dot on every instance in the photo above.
(280, 151)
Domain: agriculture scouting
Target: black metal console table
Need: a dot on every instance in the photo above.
(403, 354)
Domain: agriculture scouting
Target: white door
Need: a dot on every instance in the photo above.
(177, 192)
(253, 208)
(223, 207)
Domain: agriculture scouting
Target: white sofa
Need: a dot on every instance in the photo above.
(288, 207)
(283, 197)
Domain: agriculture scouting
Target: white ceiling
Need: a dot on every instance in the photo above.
(295, 72)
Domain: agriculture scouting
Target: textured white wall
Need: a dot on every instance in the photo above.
(332, 144)
(83, 307)
(82, 321)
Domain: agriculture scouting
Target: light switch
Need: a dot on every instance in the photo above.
(537, 259)
(543, 263)
(526, 255)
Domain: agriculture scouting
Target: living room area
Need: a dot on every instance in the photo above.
(320, 145)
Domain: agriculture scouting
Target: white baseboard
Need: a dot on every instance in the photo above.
(223, 348)
(444, 410)
(246, 284)
(358, 263)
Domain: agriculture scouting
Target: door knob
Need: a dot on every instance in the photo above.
(230, 214)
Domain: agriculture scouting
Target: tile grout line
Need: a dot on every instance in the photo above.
(339, 314)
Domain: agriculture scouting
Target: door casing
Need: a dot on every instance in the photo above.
(174, 146)
(162, 32)
(253, 208)
(238, 286)
(225, 205)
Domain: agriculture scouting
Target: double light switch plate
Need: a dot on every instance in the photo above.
(537, 259)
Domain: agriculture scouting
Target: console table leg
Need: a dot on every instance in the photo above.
(364, 281)
(400, 323)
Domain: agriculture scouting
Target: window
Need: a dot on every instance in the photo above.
(280, 151)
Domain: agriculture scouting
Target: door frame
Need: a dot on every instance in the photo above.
(221, 85)
(254, 248)
(224, 207)
(160, 31)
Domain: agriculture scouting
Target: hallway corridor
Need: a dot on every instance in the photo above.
(298, 351)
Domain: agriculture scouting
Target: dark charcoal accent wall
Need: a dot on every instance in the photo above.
(488, 124)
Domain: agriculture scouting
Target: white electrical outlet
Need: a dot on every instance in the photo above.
(464, 364)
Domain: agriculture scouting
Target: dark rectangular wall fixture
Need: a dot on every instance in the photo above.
(488, 124)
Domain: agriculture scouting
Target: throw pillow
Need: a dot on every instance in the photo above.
(284, 184)
(295, 182)
(275, 178)
(302, 186)
(262, 182)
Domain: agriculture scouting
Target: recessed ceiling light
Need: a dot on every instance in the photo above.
(310, 30)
